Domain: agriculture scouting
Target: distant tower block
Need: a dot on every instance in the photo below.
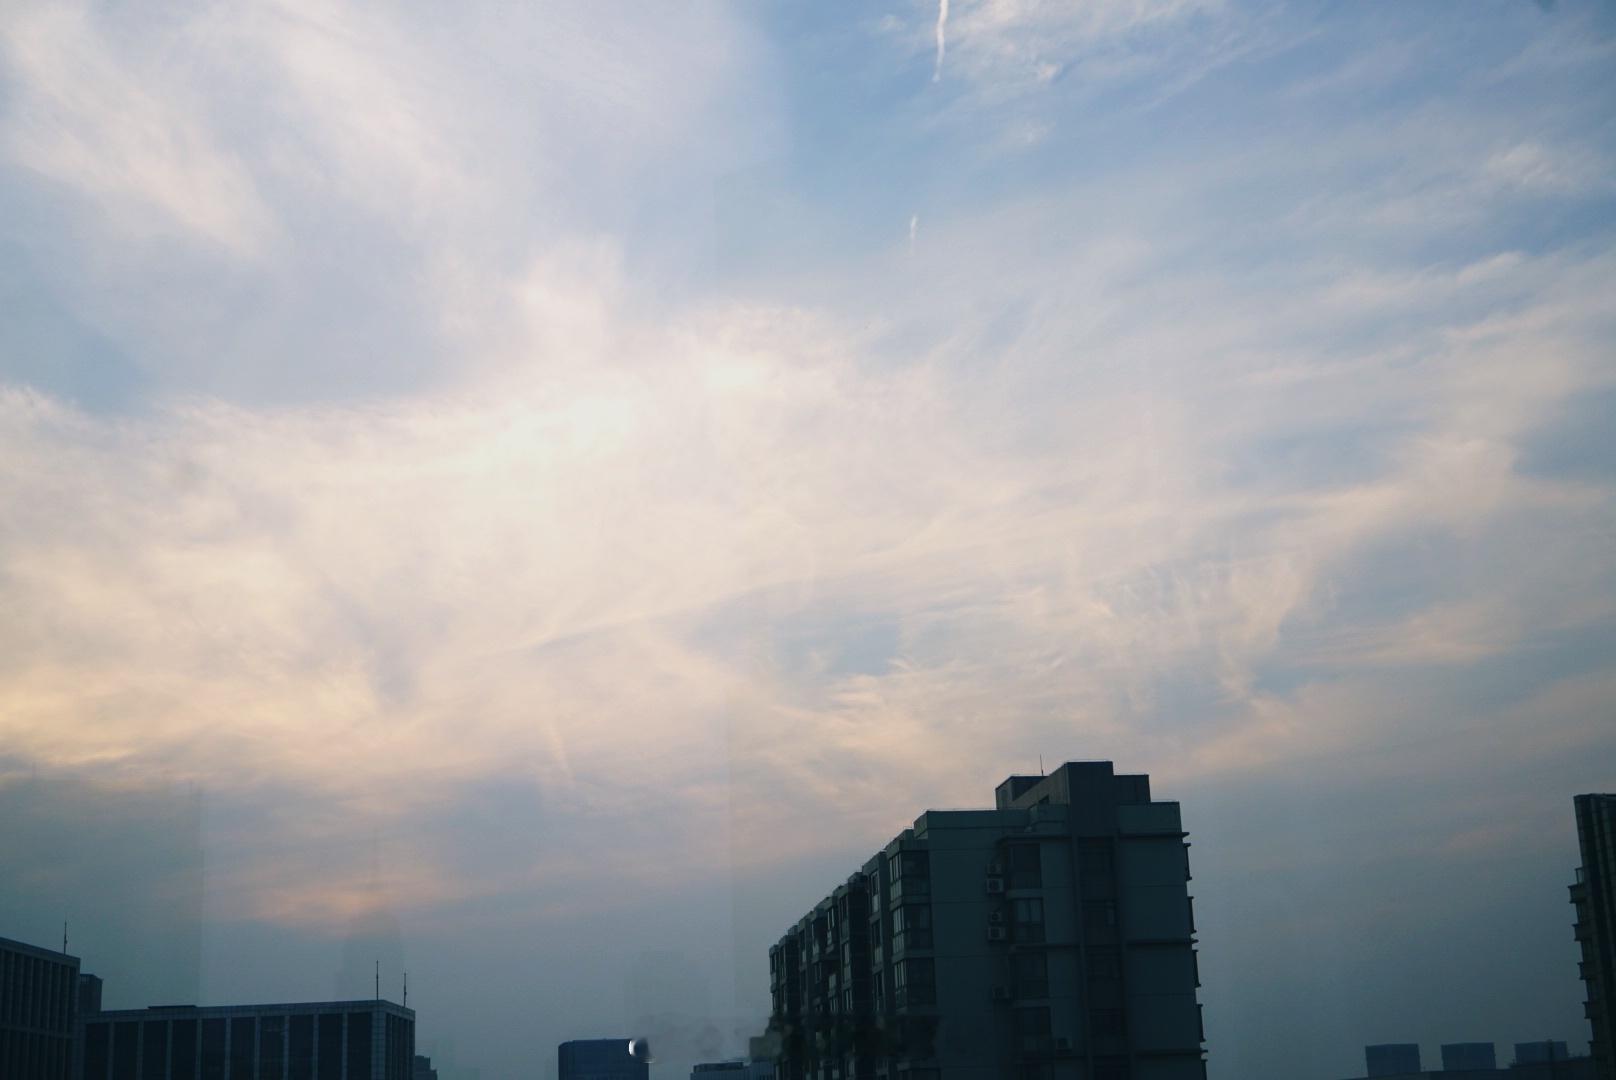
(1390, 1059)
(1471, 1055)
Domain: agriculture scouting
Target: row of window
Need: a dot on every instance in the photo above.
(27, 1053)
(36, 992)
(274, 1047)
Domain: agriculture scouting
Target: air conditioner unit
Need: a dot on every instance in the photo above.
(1001, 993)
(995, 917)
(995, 884)
(995, 869)
(997, 933)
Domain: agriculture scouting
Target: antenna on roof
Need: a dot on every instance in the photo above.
(64, 936)
(1041, 765)
(406, 1002)
(378, 980)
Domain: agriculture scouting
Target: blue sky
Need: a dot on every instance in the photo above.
(582, 480)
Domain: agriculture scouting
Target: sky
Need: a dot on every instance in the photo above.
(535, 494)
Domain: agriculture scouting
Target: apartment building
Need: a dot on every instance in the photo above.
(1048, 938)
(1594, 898)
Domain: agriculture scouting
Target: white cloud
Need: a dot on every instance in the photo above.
(121, 130)
(626, 551)
(1001, 48)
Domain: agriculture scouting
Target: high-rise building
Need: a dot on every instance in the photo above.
(1391, 1059)
(604, 1059)
(1049, 938)
(1541, 1052)
(39, 991)
(330, 1040)
(1472, 1055)
(1594, 897)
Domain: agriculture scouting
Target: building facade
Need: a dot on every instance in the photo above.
(1594, 898)
(1470, 1055)
(1391, 1059)
(1049, 938)
(604, 1059)
(39, 993)
(1541, 1052)
(331, 1040)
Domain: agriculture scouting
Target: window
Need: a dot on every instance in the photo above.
(243, 1035)
(330, 1051)
(1094, 856)
(271, 1046)
(1100, 914)
(95, 1046)
(1030, 971)
(914, 981)
(1032, 1029)
(1026, 867)
(1095, 868)
(1105, 963)
(1111, 1068)
(124, 1036)
(359, 1044)
(154, 1050)
(913, 923)
(1106, 1023)
(183, 1052)
(1027, 919)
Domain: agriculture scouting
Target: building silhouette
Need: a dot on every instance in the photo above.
(329, 1040)
(1051, 937)
(1542, 1052)
(1391, 1059)
(1470, 1055)
(603, 1059)
(1546, 1060)
(1594, 898)
(39, 995)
